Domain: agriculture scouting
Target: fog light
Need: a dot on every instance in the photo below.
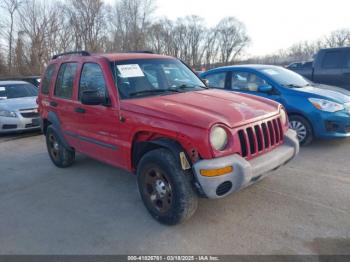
(216, 172)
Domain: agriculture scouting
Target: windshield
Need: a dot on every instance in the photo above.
(149, 77)
(286, 77)
(17, 91)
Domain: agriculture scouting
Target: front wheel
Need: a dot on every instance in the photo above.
(165, 189)
(303, 129)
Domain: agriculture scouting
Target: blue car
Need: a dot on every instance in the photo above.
(315, 111)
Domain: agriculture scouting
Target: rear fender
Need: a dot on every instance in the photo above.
(56, 126)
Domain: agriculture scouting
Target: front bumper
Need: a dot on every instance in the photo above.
(244, 172)
(18, 124)
(332, 125)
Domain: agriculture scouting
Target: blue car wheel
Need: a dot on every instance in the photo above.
(303, 129)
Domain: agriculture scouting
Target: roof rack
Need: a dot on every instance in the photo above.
(142, 52)
(82, 53)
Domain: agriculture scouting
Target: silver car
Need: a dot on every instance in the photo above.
(18, 108)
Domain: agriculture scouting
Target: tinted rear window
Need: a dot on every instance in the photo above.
(17, 91)
(332, 60)
(45, 86)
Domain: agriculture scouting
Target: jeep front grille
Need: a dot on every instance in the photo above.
(256, 139)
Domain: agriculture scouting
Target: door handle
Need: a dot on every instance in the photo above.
(54, 104)
(79, 110)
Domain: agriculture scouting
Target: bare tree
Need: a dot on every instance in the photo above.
(338, 38)
(87, 18)
(211, 47)
(232, 38)
(195, 37)
(157, 37)
(132, 19)
(11, 7)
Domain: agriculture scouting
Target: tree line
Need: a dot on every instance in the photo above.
(32, 31)
(304, 51)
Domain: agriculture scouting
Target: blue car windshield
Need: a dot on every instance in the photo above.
(153, 77)
(286, 77)
(10, 91)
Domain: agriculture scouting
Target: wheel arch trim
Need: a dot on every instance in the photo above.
(142, 147)
(56, 126)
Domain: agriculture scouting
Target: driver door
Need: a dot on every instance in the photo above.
(99, 125)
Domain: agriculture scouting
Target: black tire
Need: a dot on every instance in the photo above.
(60, 156)
(165, 189)
(299, 123)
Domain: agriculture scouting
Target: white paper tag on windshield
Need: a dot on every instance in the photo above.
(2, 88)
(130, 70)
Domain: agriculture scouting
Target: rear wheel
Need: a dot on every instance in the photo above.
(303, 129)
(164, 188)
(60, 156)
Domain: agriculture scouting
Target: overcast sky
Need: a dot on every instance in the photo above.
(271, 24)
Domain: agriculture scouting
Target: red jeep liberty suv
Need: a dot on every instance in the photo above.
(151, 115)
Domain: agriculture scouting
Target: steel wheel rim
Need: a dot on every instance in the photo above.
(54, 147)
(158, 190)
(300, 128)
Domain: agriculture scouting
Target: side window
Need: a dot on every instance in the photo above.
(92, 79)
(65, 80)
(45, 86)
(294, 66)
(331, 60)
(246, 81)
(217, 80)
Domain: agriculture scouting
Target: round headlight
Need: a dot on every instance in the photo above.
(284, 117)
(218, 138)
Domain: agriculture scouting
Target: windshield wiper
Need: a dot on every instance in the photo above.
(153, 91)
(184, 86)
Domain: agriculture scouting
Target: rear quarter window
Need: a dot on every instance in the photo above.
(332, 60)
(45, 86)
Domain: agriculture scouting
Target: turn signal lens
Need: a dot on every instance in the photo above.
(216, 172)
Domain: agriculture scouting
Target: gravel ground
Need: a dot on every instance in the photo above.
(93, 208)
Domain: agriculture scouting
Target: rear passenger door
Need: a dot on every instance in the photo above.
(62, 99)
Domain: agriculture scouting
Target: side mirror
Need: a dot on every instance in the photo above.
(265, 88)
(93, 98)
(205, 81)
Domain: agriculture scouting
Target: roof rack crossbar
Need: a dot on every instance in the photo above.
(83, 53)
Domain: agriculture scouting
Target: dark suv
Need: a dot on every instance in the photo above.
(152, 116)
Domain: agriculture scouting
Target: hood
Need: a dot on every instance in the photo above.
(15, 104)
(205, 108)
(338, 94)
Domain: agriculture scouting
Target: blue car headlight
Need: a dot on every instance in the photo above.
(6, 113)
(326, 105)
(347, 107)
